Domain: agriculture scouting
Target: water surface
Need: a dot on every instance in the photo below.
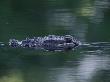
(87, 20)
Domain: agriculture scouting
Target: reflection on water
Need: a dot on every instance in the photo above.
(12, 76)
(99, 8)
(87, 20)
(73, 66)
(65, 19)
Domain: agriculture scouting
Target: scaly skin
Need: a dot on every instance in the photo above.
(50, 43)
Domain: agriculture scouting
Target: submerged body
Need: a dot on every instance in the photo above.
(50, 43)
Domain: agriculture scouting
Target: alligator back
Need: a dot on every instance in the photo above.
(50, 43)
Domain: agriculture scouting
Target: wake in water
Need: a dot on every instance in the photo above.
(95, 47)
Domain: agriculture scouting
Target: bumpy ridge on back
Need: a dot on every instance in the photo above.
(50, 43)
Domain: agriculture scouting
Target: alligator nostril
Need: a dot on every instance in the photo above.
(76, 44)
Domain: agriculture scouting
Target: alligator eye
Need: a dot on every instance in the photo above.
(68, 40)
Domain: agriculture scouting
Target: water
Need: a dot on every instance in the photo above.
(87, 20)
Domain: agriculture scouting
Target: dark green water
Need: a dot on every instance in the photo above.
(87, 20)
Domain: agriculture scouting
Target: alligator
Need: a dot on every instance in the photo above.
(49, 43)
